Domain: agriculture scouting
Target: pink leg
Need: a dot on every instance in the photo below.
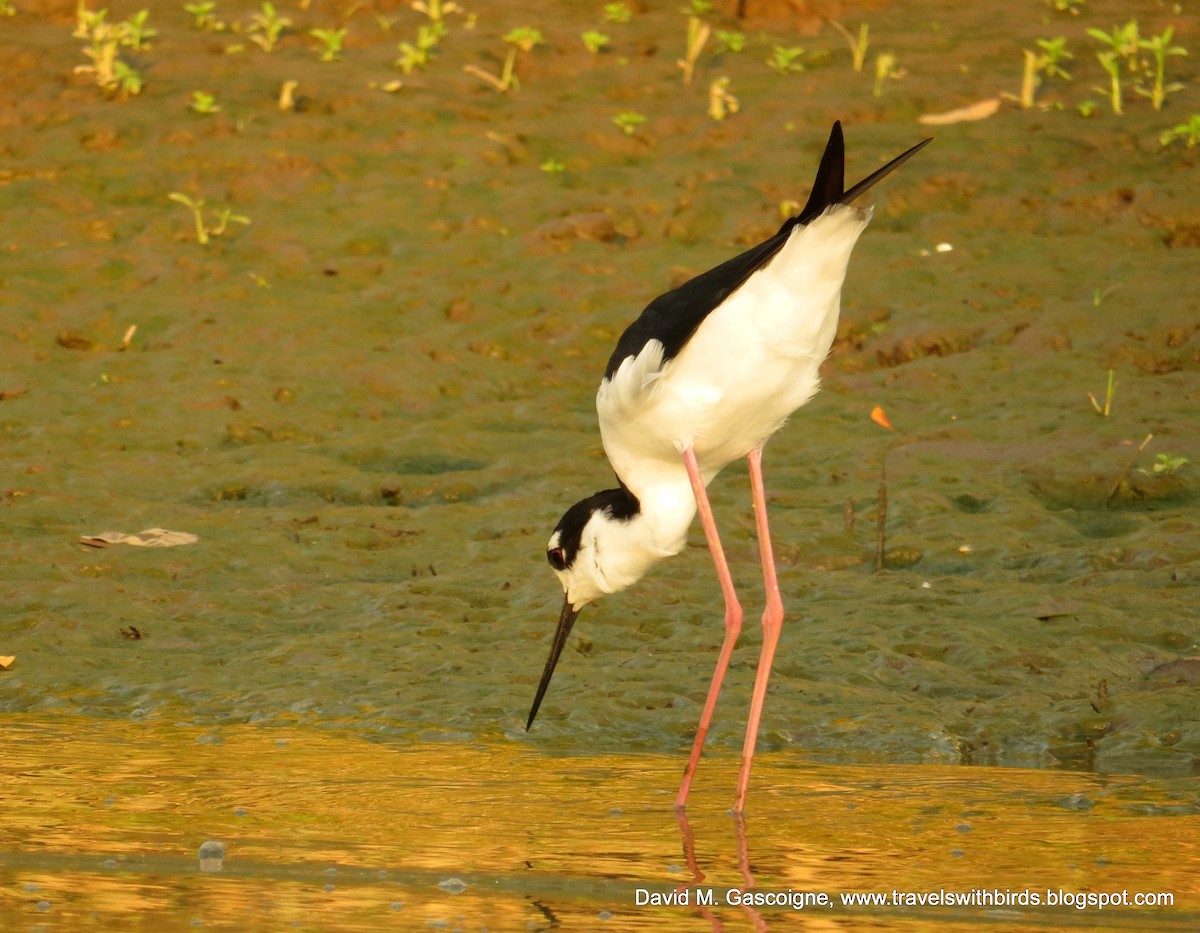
(733, 620)
(772, 622)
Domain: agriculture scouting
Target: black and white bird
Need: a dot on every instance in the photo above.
(706, 375)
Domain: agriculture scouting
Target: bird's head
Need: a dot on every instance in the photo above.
(592, 551)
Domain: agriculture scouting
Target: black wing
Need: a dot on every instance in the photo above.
(673, 318)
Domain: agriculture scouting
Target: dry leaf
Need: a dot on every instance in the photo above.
(980, 110)
(151, 537)
(69, 341)
(879, 416)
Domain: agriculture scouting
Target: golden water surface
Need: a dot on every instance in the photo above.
(104, 822)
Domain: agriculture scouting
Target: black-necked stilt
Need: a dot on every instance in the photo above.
(704, 376)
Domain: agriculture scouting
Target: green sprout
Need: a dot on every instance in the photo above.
(629, 121)
(436, 10)
(129, 79)
(1086, 107)
(885, 69)
(1160, 46)
(1165, 464)
(202, 14)
(417, 56)
(617, 13)
(204, 103)
(1108, 61)
(731, 41)
(1029, 78)
(1065, 6)
(225, 217)
(333, 39)
(86, 22)
(204, 233)
(7, 9)
(1047, 62)
(523, 38)
(1188, 133)
(112, 75)
(595, 41)
(135, 34)
(858, 46)
(196, 206)
(699, 7)
(1122, 42)
(697, 34)
(786, 60)
(267, 27)
(721, 103)
(552, 167)
(1053, 52)
(1109, 392)
(103, 53)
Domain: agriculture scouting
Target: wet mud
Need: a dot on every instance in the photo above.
(372, 402)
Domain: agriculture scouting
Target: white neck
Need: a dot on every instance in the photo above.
(616, 553)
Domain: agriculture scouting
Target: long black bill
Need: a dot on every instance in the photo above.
(565, 621)
(879, 174)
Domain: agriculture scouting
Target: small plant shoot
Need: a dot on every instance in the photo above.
(1044, 62)
(734, 42)
(785, 60)
(417, 56)
(204, 232)
(203, 15)
(858, 44)
(204, 103)
(331, 40)
(595, 41)
(267, 27)
(1109, 392)
(1187, 133)
(522, 38)
(436, 10)
(697, 35)
(525, 38)
(885, 70)
(617, 13)
(112, 74)
(1160, 47)
(628, 121)
(1165, 464)
(721, 102)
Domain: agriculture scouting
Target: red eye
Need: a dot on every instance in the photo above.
(556, 558)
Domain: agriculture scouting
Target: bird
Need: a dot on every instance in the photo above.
(704, 376)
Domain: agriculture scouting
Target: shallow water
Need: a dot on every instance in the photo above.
(325, 831)
(373, 402)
